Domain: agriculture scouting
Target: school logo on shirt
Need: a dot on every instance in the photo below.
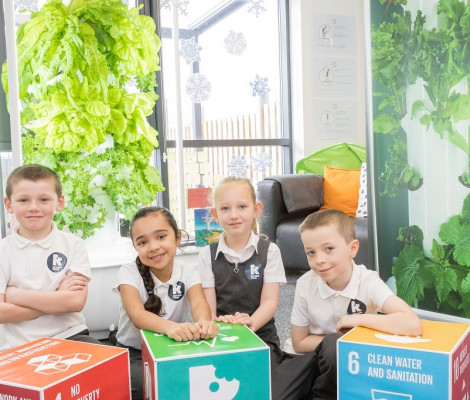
(56, 262)
(254, 271)
(176, 292)
(356, 307)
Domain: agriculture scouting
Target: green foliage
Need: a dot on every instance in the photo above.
(398, 173)
(405, 50)
(74, 63)
(446, 270)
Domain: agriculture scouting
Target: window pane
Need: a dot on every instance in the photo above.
(228, 56)
(206, 167)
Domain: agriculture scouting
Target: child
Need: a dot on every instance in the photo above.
(155, 291)
(337, 295)
(44, 272)
(241, 274)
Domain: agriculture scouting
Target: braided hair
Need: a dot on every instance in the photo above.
(154, 303)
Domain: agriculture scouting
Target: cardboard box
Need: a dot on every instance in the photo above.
(374, 365)
(55, 369)
(233, 365)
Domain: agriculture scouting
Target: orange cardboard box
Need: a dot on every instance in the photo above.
(56, 369)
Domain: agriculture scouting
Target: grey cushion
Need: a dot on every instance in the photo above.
(301, 193)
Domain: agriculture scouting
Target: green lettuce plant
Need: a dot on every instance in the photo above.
(441, 279)
(87, 85)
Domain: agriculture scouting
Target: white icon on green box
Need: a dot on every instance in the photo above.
(233, 365)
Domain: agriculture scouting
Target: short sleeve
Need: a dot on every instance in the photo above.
(300, 315)
(128, 274)
(80, 262)
(274, 271)
(4, 267)
(191, 275)
(205, 268)
(377, 289)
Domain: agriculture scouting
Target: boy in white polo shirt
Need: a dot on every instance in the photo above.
(335, 296)
(44, 272)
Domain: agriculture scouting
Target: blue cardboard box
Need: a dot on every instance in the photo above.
(373, 365)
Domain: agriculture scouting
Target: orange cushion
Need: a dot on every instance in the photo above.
(341, 189)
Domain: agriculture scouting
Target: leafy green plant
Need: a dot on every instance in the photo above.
(444, 275)
(405, 50)
(398, 173)
(82, 115)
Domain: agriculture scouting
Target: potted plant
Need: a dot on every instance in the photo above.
(87, 84)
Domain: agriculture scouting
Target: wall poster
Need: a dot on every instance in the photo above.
(334, 64)
(420, 64)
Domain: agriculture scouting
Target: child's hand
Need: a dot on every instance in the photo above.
(346, 323)
(183, 332)
(73, 281)
(243, 319)
(207, 329)
(227, 319)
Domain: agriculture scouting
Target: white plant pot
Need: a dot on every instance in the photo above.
(107, 251)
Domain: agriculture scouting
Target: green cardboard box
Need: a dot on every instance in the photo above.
(233, 365)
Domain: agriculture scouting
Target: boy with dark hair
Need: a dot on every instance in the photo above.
(44, 272)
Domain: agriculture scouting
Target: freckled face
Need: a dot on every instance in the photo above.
(329, 256)
(156, 244)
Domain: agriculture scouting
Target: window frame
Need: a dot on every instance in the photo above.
(152, 8)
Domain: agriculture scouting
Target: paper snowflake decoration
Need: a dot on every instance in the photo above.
(261, 162)
(182, 6)
(256, 7)
(260, 87)
(235, 43)
(237, 166)
(198, 88)
(190, 50)
(29, 5)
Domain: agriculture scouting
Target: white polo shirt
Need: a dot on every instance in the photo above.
(273, 272)
(174, 296)
(41, 266)
(319, 307)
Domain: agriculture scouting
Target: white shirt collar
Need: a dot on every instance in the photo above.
(174, 278)
(350, 291)
(22, 242)
(251, 245)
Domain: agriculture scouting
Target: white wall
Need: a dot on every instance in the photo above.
(309, 97)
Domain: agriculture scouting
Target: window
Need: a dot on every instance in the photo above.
(223, 107)
(222, 96)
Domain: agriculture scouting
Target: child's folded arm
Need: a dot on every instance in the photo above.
(11, 313)
(399, 319)
(55, 302)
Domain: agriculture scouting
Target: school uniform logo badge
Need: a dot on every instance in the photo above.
(254, 271)
(176, 292)
(356, 307)
(56, 262)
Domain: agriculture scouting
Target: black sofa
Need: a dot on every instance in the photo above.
(287, 200)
